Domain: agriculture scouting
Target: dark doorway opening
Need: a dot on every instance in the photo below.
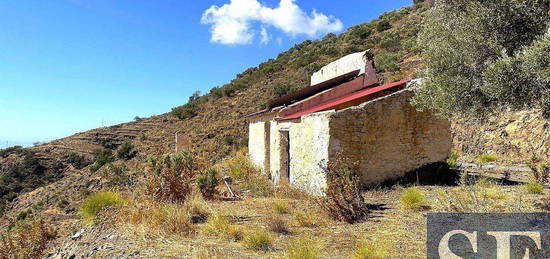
(284, 171)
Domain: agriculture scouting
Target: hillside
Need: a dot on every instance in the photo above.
(52, 179)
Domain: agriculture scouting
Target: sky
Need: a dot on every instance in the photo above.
(67, 66)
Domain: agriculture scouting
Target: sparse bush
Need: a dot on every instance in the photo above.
(95, 203)
(222, 226)
(412, 198)
(126, 150)
(207, 183)
(258, 240)
(533, 187)
(24, 214)
(186, 111)
(281, 207)
(172, 177)
(27, 239)
(383, 25)
(304, 247)
(343, 199)
(278, 225)
(102, 157)
(487, 158)
(371, 249)
(118, 175)
(78, 161)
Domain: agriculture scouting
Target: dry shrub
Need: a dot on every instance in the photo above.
(172, 177)
(372, 249)
(160, 219)
(304, 247)
(258, 240)
(343, 200)
(541, 171)
(27, 239)
(278, 225)
(197, 209)
(221, 226)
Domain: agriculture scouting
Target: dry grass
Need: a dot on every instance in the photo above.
(371, 249)
(278, 225)
(157, 219)
(534, 188)
(412, 198)
(306, 219)
(27, 239)
(258, 240)
(197, 209)
(221, 226)
(281, 207)
(304, 247)
(247, 177)
(487, 158)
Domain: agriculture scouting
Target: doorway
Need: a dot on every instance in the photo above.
(284, 172)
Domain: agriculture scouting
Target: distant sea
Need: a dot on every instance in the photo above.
(7, 143)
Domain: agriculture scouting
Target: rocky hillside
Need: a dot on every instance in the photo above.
(54, 177)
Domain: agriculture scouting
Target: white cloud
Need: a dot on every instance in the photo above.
(232, 23)
(264, 36)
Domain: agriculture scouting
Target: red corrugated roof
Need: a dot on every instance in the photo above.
(344, 99)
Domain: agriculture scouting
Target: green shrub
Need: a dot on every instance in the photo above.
(95, 203)
(372, 249)
(388, 62)
(207, 183)
(304, 247)
(24, 214)
(487, 158)
(118, 175)
(533, 187)
(126, 150)
(258, 240)
(383, 25)
(412, 198)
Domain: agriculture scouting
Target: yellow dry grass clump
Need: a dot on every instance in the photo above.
(304, 247)
(412, 198)
(258, 239)
(371, 249)
(96, 202)
(221, 226)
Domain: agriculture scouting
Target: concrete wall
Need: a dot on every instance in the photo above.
(388, 137)
(256, 143)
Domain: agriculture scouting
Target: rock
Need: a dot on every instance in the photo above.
(77, 234)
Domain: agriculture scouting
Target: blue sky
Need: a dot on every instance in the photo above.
(71, 65)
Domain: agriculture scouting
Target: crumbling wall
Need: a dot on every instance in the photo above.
(388, 137)
(309, 146)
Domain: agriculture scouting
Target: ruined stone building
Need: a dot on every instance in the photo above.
(345, 112)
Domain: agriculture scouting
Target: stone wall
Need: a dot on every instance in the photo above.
(388, 137)
(514, 136)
